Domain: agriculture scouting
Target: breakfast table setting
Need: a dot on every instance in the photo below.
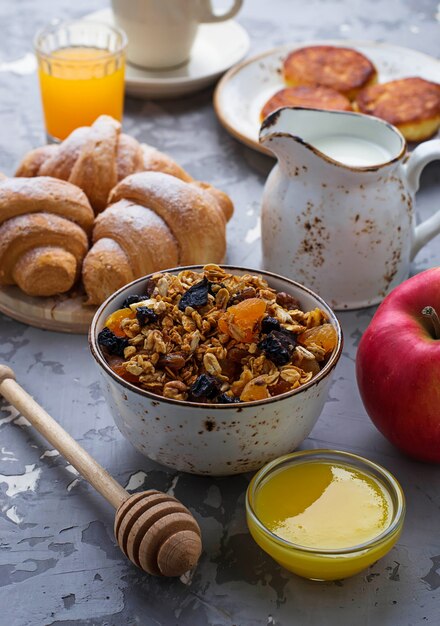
(219, 339)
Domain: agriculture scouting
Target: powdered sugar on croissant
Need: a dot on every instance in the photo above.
(156, 221)
(96, 158)
(44, 227)
(159, 215)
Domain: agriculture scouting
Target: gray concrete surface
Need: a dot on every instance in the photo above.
(58, 561)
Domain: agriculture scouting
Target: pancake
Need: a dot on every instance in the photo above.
(342, 69)
(308, 97)
(410, 104)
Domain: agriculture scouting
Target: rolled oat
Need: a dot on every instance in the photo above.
(212, 336)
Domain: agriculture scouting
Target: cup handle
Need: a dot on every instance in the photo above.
(207, 13)
(422, 155)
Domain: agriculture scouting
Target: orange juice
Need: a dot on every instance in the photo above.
(77, 85)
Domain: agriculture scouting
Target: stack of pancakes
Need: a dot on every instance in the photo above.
(343, 79)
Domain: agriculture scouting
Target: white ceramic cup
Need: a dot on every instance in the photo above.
(161, 32)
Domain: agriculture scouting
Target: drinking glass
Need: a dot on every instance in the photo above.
(81, 69)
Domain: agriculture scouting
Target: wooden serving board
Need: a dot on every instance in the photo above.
(64, 313)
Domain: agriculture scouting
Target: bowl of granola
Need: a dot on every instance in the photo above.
(215, 370)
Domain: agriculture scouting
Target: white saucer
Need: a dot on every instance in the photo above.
(217, 47)
(242, 92)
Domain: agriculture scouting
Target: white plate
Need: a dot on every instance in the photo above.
(242, 92)
(217, 47)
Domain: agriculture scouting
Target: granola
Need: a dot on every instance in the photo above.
(216, 337)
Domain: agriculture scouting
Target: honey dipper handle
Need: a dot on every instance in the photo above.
(86, 465)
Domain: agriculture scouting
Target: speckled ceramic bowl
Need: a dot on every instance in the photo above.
(214, 439)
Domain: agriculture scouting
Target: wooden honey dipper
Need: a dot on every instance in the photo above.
(154, 530)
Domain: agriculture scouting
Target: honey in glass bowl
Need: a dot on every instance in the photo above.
(325, 514)
(81, 70)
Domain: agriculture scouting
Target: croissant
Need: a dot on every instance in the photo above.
(96, 158)
(44, 228)
(156, 221)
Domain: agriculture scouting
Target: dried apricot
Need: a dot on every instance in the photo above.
(254, 391)
(241, 320)
(122, 372)
(324, 336)
(174, 362)
(114, 321)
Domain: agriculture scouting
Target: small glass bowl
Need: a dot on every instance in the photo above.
(318, 563)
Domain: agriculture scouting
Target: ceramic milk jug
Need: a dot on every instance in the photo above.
(338, 208)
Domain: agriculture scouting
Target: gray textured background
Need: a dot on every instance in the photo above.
(58, 559)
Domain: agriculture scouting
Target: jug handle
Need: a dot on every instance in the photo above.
(422, 155)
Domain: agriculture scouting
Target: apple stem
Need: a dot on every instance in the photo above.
(430, 312)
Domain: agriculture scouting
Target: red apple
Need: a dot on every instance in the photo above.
(398, 367)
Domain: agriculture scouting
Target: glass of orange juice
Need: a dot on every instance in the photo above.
(81, 68)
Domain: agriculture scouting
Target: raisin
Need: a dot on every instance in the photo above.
(230, 369)
(149, 288)
(248, 292)
(287, 338)
(282, 386)
(223, 398)
(278, 346)
(269, 323)
(145, 315)
(236, 355)
(196, 296)
(287, 301)
(114, 360)
(133, 299)
(215, 287)
(205, 386)
(112, 343)
(172, 361)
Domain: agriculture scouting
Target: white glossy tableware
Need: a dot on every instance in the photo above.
(242, 92)
(338, 208)
(216, 48)
(211, 439)
(161, 33)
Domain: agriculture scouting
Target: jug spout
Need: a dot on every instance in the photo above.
(341, 139)
(284, 138)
